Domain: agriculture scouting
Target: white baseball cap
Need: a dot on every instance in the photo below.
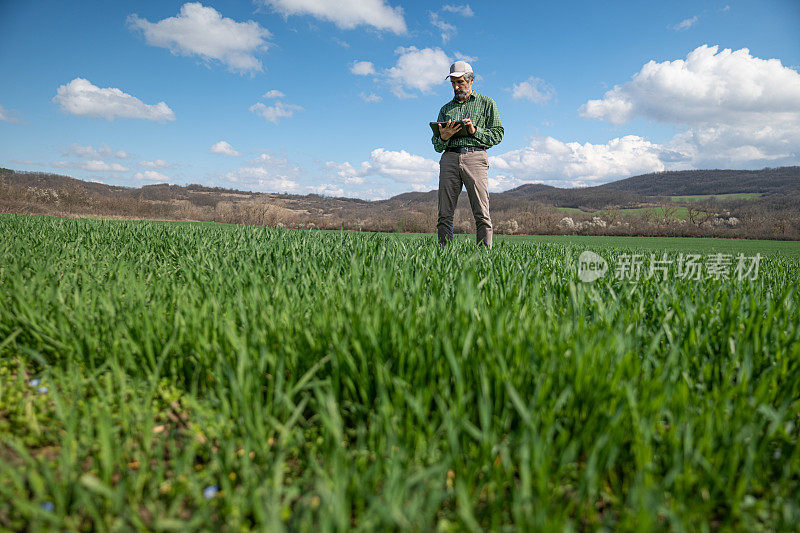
(458, 69)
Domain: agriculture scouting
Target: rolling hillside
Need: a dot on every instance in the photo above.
(766, 203)
(785, 180)
(768, 181)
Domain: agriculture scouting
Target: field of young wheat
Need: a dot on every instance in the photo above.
(183, 376)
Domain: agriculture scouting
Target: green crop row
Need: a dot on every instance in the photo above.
(160, 376)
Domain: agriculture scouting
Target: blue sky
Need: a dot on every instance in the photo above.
(334, 98)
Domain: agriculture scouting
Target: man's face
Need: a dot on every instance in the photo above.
(461, 87)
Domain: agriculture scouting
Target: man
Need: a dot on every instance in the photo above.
(464, 160)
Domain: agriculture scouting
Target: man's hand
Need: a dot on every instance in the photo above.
(448, 130)
(471, 129)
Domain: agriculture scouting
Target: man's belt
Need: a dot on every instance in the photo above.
(464, 149)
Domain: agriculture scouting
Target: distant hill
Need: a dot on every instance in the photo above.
(413, 198)
(57, 181)
(531, 190)
(774, 212)
(585, 197)
(196, 194)
(782, 180)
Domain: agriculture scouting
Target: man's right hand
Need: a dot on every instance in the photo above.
(448, 130)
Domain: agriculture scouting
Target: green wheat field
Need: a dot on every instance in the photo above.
(186, 376)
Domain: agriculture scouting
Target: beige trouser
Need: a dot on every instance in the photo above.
(472, 170)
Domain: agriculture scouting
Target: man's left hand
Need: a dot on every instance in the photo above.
(471, 129)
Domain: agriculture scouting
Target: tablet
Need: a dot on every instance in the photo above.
(460, 133)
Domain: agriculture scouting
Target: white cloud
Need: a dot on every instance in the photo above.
(268, 173)
(273, 93)
(533, 89)
(346, 172)
(266, 158)
(94, 165)
(461, 9)
(158, 163)
(722, 145)
(418, 70)
(501, 182)
(735, 107)
(371, 98)
(345, 14)
(204, 32)
(448, 30)
(103, 152)
(262, 179)
(707, 88)
(399, 166)
(223, 148)
(684, 24)
(362, 68)
(576, 164)
(6, 115)
(402, 166)
(327, 189)
(464, 57)
(152, 175)
(276, 112)
(81, 97)
(374, 193)
(444, 24)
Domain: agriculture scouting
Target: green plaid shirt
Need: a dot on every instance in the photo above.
(482, 111)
